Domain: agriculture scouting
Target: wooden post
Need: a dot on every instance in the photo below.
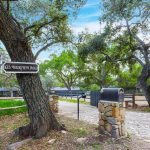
(126, 104)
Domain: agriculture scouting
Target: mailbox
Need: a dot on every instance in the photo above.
(112, 94)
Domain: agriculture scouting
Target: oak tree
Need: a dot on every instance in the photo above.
(26, 25)
(128, 23)
(66, 68)
(125, 38)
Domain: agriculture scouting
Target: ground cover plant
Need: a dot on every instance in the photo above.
(15, 103)
(12, 103)
(63, 141)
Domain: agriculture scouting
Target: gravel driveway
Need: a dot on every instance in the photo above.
(137, 123)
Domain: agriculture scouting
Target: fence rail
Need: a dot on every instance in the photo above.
(92, 96)
(10, 108)
(10, 98)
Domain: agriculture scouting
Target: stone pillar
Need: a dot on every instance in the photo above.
(54, 103)
(112, 119)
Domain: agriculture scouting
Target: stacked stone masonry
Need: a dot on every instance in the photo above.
(54, 103)
(111, 119)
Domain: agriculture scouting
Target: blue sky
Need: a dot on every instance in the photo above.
(88, 17)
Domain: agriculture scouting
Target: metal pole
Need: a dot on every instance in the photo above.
(78, 107)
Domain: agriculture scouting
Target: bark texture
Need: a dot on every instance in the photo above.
(143, 80)
(41, 117)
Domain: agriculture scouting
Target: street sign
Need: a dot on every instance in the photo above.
(20, 67)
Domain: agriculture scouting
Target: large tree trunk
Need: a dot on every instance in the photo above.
(41, 117)
(143, 79)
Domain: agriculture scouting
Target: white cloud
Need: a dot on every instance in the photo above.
(96, 14)
(91, 27)
(90, 4)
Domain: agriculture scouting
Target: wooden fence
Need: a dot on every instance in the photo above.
(10, 108)
(128, 99)
(10, 98)
(92, 96)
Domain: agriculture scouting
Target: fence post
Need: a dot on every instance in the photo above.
(126, 104)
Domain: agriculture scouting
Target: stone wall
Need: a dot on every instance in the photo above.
(111, 119)
(54, 103)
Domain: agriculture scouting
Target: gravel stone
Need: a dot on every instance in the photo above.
(137, 123)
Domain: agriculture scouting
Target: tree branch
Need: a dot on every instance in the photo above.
(138, 60)
(135, 36)
(44, 48)
(17, 23)
(143, 48)
(64, 80)
(41, 25)
(147, 45)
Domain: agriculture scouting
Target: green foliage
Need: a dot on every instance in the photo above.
(45, 22)
(96, 44)
(128, 78)
(133, 10)
(99, 67)
(89, 87)
(49, 81)
(125, 21)
(6, 80)
(94, 87)
(118, 48)
(66, 68)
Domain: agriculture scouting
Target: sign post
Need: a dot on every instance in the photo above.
(78, 102)
(20, 67)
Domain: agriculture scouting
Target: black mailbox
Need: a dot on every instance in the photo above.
(112, 94)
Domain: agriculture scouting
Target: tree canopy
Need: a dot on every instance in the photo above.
(66, 68)
(125, 38)
(44, 23)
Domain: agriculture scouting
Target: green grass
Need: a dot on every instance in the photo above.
(79, 132)
(147, 109)
(11, 103)
(73, 101)
(14, 103)
(96, 146)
